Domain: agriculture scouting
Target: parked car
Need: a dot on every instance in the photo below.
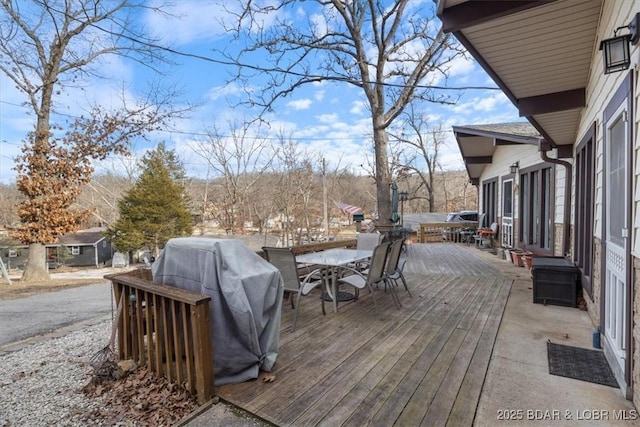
(461, 216)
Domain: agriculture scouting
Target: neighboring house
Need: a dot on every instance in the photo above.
(546, 57)
(87, 248)
(14, 256)
(82, 249)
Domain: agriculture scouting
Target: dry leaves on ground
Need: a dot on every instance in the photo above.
(142, 397)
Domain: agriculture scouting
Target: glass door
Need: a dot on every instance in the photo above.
(616, 234)
(507, 213)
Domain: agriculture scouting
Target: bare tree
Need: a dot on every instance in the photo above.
(10, 198)
(47, 47)
(239, 158)
(457, 192)
(101, 196)
(298, 198)
(416, 153)
(394, 51)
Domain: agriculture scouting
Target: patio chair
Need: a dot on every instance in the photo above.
(484, 236)
(467, 235)
(366, 241)
(285, 261)
(395, 264)
(481, 218)
(375, 274)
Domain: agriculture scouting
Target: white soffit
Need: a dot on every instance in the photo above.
(537, 52)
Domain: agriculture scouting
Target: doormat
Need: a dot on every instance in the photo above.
(580, 363)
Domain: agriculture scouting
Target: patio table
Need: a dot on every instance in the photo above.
(332, 259)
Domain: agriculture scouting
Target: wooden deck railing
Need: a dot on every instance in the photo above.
(167, 329)
(445, 232)
(350, 243)
(315, 247)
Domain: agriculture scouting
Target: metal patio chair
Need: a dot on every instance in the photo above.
(395, 264)
(484, 236)
(367, 242)
(285, 261)
(374, 276)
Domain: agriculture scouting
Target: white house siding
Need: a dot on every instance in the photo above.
(600, 89)
(635, 219)
(560, 173)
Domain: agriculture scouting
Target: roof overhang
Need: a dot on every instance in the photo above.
(538, 52)
(477, 143)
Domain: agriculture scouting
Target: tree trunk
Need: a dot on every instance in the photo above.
(36, 269)
(382, 175)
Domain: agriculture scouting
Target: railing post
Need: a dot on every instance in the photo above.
(203, 352)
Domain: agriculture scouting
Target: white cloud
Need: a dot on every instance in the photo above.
(218, 92)
(319, 25)
(327, 118)
(482, 104)
(358, 108)
(300, 104)
(187, 21)
(461, 66)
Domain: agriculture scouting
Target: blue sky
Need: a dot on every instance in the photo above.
(328, 119)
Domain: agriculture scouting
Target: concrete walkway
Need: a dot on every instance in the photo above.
(519, 390)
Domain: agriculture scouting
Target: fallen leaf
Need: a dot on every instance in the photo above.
(268, 378)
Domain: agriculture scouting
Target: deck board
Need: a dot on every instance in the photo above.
(424, 363)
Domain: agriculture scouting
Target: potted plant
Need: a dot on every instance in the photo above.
(527, 257)
(516, 257)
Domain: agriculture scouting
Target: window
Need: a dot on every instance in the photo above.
(536, 209)
(75, 250)
(469, 216)
(507, 212)
(489, 201)
(617, 225)
(507, 199)
(583, 228)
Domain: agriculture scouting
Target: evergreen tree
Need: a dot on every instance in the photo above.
(155, 209)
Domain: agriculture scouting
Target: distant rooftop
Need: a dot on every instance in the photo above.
(515, 128)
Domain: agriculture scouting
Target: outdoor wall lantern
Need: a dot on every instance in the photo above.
(616, 49)
(514, 168)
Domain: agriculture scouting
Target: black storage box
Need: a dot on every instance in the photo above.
(554, 281)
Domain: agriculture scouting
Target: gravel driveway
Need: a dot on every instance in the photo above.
(46, 342)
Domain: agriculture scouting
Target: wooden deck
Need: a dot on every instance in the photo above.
(423, 364)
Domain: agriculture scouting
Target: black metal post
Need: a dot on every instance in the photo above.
(403, 195)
